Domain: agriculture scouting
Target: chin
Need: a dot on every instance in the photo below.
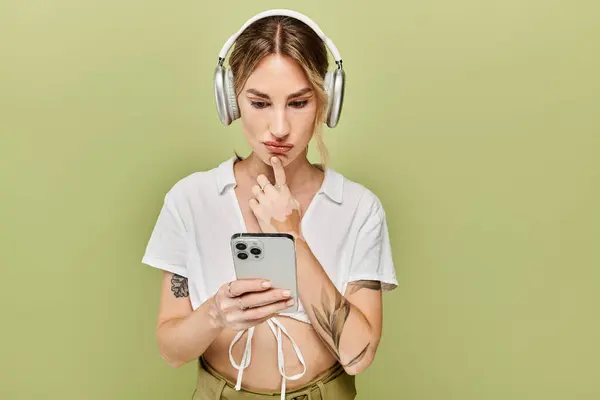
(284, 158)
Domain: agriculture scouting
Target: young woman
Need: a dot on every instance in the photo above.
(279, 87)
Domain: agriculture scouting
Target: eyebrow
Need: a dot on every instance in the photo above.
(266, 96)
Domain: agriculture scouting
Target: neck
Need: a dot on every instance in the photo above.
(299, 172)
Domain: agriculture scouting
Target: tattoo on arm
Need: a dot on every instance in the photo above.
(179, 286)
(359, 357)
(355, 286)
(331, 319)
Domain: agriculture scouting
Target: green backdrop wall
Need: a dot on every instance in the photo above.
(475, 122)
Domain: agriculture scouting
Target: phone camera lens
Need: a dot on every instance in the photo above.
(240, 246)
(255, 251)
(242, 256)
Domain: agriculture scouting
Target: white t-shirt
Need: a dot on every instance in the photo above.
(345, 227)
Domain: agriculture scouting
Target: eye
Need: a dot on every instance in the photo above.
(298, 103)
(259, 104)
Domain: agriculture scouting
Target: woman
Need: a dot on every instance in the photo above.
(344, 260)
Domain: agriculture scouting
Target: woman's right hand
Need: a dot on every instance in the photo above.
(244, 303)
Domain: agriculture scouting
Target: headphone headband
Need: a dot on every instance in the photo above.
(288, 13)
(333, 83)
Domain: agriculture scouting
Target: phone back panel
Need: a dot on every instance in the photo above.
(267, 256)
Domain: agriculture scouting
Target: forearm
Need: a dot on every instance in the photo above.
(340, 324)
(184, 339)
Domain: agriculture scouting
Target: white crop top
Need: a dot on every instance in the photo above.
(345, 227)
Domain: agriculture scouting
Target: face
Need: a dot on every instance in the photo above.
(277, 106)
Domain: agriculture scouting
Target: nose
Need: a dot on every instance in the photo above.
(280, 126)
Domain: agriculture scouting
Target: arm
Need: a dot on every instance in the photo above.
(183, 334)
(349, 326)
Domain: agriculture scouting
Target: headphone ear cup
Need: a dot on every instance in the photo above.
(221, 96)
(234, 111)
(334, 87)
(225, 97)
(328, 90)
(327, 83)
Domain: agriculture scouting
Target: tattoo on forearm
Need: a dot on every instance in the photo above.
(179, 286)
(332, 318)
(364, 284)
(359, 357)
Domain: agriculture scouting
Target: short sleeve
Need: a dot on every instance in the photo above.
(372, 256)
(167, 248)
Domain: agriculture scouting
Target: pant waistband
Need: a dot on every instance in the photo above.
(310, 390)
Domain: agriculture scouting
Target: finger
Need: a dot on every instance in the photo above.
(278, 171)
(270, 191)
(263, 181)
(296, 204)
(270, 296)
(258, 194)
(256, 209)
(241, 286)
(229, 289)
(268, 310)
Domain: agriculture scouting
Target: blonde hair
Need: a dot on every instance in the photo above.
(290, 37)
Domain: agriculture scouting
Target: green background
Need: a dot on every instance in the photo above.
(475, 122)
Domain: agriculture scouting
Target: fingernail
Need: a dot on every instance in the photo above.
(275, 160)
(290, 302)
(266, 284)
(287, 293)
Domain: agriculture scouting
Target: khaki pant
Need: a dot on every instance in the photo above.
(333, 384)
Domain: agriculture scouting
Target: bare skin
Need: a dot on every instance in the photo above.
(185, 334)
(262, 374)
(345, 328)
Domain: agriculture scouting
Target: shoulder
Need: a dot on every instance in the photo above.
(360, 195)
(194, 184)
(184, 187)
(360, 198)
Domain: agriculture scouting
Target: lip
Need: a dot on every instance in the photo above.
(278, 148)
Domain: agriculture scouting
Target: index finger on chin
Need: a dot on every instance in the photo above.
(278, 171)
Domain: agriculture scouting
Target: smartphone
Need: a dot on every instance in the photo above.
(270, 256)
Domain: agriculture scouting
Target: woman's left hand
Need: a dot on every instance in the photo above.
(276, 210)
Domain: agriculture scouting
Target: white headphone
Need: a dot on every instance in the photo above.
(225, 95)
